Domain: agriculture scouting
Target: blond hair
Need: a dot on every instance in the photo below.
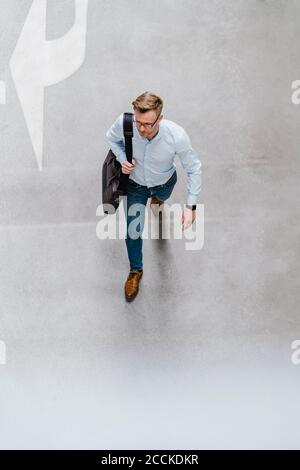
(148, 102)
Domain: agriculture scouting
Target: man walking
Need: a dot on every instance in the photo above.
(156, 141)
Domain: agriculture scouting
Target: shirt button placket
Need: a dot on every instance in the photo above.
(146, 162)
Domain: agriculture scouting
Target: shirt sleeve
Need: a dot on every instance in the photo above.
(116, 140)
(192, 165)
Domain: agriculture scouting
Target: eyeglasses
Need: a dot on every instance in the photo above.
(147, 125)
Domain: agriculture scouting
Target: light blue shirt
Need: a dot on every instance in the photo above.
(155, 157)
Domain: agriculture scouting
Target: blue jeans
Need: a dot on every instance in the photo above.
(137, 193)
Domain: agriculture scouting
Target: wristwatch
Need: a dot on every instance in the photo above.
(193, 207)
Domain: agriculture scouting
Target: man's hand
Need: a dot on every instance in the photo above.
(128, 167)
(188, 217)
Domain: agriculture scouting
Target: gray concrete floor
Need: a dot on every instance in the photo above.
(202, 357)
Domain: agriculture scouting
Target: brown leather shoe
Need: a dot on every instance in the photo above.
(156, 205)
(132, 284)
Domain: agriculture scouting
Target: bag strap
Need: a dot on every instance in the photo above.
(128, 134)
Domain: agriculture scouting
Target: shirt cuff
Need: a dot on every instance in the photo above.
(121, 158)
(193, 206)
(191, 200)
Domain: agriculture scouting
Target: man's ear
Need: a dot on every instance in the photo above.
(161, 117)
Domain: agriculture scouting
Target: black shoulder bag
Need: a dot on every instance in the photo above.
(114, 182)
